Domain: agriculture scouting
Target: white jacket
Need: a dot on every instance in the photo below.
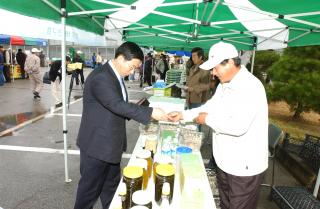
(238, 115)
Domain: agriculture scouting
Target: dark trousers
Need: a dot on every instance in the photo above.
(23, 72)
(79, 72)
(1, 75)
(147, 78)
(98, 178)
(238, 192)
(6, 73)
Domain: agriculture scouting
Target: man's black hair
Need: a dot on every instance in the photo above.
(130, 51)
(199, 52)
(236, 60)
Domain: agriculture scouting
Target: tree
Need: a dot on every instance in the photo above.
(296, 79)
(263, 60)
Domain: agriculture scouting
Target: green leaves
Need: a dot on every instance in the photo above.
(295, 79)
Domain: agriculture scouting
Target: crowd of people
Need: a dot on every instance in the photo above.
(220, 93)
(30, 63)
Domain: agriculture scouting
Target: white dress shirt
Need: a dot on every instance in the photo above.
(120, 79)
(238, 115)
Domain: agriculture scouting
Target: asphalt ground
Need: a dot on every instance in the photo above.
(32, 174)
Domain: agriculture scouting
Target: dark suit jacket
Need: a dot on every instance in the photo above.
(102, 132)
(55, 70)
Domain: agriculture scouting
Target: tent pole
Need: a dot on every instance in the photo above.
(48, 50)
(255, 40)
(252, 61)
(316, 187)
(63, 89)
(144, 64)
(11, 67)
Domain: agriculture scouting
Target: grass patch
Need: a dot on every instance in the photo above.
(280, 115)
(295, 129)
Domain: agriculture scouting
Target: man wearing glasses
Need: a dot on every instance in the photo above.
(102, 134)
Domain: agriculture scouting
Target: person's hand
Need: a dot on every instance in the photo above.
(201, 119)
(175, 116)
(159, 114)
(185, 88)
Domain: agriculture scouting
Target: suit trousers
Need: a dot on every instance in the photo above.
(238, 192)
(98, 179)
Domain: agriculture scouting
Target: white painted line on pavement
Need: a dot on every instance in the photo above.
(73, 115)
(9, 130)
(133, 90)
(32, 120)
(47, 150)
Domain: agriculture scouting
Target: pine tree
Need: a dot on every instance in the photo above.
(295, 79)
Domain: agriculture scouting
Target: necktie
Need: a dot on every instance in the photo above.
(124, 86)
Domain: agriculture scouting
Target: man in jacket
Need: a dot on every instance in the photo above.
(1, 66)
(198, 81)
(99, 60)
(7, 63)
(146, 77)
(238, 114)
(102, 134)
(55, 77)
(21, 59)
(32, 67)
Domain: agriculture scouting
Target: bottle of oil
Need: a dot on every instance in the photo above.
(165, 196)
(164, 173)
(132, 177)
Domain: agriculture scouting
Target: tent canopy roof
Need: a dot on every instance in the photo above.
(184, 24)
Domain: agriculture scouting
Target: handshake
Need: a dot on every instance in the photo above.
(159, 114)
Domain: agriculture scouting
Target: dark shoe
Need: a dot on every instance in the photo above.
(58, 105)
(36, 94)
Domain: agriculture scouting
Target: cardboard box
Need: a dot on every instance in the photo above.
(162, 92)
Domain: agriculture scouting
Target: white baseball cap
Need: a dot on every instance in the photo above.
(219, 52)
(34, 50)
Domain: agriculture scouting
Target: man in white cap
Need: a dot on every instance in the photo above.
(32, 67)
(238, 115)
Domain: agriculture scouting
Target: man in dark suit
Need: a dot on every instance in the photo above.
(102, 135)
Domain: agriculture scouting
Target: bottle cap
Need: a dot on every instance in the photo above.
(144, 154)
(184, 150)
(165, 169)
(163, 159)
(142, 163)
(132, 172)
(139, 207)
(141, 197)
